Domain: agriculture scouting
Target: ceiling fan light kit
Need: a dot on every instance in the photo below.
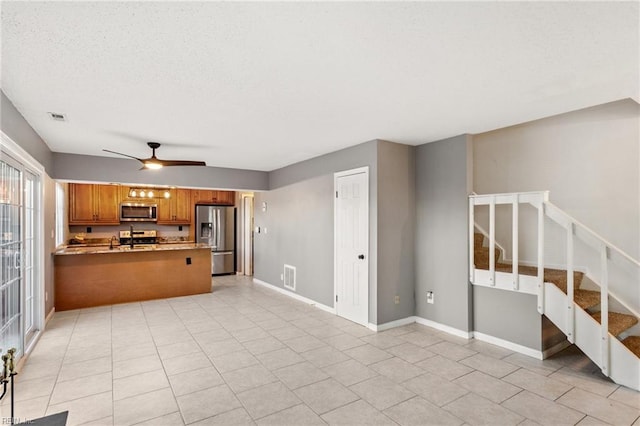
(154, 163)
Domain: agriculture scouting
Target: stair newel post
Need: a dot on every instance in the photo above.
(471, 239)
(541, 257)
(570, 285)
(514, 249)
(492, 241)
(604, 308)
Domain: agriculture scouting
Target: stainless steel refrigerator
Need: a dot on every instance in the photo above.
(216, 226)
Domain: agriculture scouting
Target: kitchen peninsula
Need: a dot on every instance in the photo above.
(156, 258)
(95, 276)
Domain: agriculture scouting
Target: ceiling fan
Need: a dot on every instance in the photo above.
(155, 163)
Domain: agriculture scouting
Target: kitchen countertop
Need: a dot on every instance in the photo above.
(74, 249)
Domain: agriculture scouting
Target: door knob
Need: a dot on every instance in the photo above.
(361, 256)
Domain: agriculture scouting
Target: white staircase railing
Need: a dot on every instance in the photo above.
(514, 281)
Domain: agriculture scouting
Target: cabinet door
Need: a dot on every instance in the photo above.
(81, 204)
(203, 196)
(227, 198)
(177, 209)
(181, 200)
(107, 202)
(165, 214)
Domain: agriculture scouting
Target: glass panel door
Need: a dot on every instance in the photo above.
(10, 254)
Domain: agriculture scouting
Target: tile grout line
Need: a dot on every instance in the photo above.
(55, 383)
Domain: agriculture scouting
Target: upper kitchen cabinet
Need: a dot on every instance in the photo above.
(94, 204)
(175, 210)
(205, 196)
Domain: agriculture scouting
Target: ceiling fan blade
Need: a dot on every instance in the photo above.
(154, 162)
(168, 163)
(126, 155)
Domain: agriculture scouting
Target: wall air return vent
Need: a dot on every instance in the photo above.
(57, 116)
(290, 277)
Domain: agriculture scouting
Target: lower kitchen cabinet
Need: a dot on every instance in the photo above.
(97, 279)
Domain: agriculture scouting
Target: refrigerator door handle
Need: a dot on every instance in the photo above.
(214, 236)
(219, 230)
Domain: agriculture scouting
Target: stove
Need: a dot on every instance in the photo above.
(149, 236)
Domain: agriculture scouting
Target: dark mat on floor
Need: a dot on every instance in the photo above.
(58, 419)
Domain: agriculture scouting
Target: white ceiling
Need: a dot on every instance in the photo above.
(263, 85)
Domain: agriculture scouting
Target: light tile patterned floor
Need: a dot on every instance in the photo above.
(248, 355)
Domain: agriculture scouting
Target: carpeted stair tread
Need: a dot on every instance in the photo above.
(555, 276)
(478, 239)
(586, 298)
(633, 343)
(481, 257)
(617, 322)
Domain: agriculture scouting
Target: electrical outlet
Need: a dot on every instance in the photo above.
(264, 230)
(430, 297)
(397, 300)
(281, 277)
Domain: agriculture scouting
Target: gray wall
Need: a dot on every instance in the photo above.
(17, 128)
(73, 167)
(589, 160)
(299, 224)
(396, 231)
(49, 209)
(441, 232)
(287, 185)
(364, 154)
(507, 315)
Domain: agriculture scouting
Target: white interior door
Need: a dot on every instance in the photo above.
(352, 245)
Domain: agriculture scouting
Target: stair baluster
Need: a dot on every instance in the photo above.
(492, 241)
(540, 258)
(514, 250)
(604, 309)
(570, 285)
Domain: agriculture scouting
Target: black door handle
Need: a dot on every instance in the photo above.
(361, 256)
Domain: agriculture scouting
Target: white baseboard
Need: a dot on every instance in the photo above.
(508, 345)
(423, 321)
(392, 324)
(295, 296)
(49, 316)
(446, 328)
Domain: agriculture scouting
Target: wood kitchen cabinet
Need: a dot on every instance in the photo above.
(94, 204)
(175, 210)
(206, 196)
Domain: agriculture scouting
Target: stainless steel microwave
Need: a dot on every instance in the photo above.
(138, 212)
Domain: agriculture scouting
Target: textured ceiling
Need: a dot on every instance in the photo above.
(263, 85)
